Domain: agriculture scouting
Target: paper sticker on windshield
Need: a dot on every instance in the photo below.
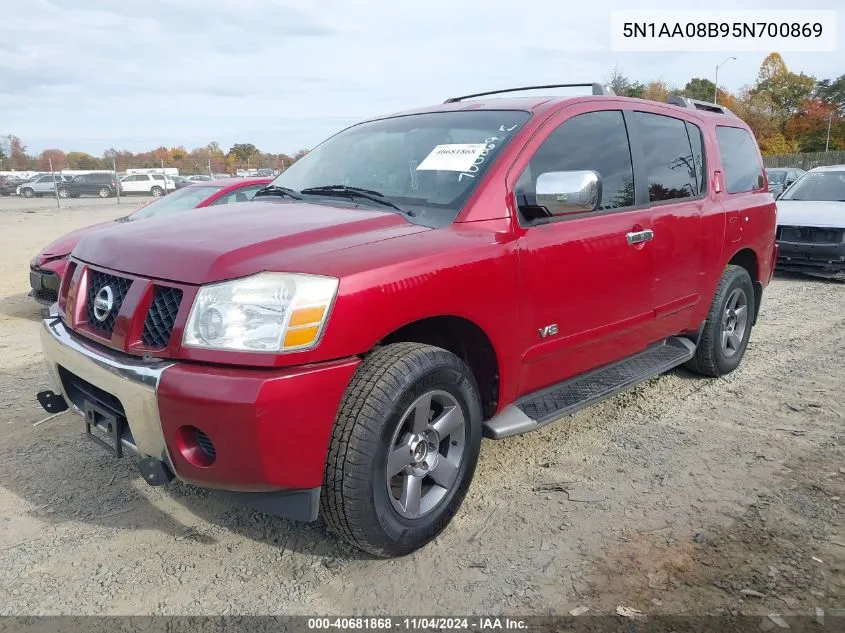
(452, 157)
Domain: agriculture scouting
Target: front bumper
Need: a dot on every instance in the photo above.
(263, 432)
(825, 260)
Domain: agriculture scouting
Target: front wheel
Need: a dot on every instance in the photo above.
(28, 193)
(728, 326)
(64, 193)
(403, 450)
(157, 192)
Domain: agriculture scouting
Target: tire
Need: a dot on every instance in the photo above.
(104, 192)
(64, 193)
(728, 325)
(157, 192)
(27, 193)
(377, 419)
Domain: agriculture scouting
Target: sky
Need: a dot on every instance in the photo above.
(284, 74)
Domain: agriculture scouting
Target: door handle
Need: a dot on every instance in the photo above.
(638, 237)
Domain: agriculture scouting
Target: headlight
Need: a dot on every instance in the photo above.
(268, 312)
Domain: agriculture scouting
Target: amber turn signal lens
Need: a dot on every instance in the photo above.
(302, 336)
(307, 316)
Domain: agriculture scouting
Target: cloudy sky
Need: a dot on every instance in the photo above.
(283, 74)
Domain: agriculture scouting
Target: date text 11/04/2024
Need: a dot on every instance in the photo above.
(418, 623)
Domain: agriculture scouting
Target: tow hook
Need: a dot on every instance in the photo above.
(155, 472)
(52, 402)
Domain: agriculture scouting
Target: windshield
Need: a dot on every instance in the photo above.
(820, 185)
(776, 177)
(427, 163)
(180, 200)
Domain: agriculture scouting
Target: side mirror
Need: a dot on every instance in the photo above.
(567, 192)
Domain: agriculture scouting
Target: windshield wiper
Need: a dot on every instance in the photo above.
(275, 190)
(355, 192)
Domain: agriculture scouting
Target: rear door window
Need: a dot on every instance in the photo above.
(740, 160)
(669, 160)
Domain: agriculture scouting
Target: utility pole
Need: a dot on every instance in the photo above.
(716, 83)
(55, 188)
(829, 121)
(116, 181)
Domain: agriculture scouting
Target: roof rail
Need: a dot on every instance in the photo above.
(598, 89)
(697, 104)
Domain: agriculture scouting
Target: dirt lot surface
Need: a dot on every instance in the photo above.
(685, 495)
(46, 203)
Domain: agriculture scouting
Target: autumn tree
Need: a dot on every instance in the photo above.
(623, 86)
(299, 154)
(698, 88)
(785, 90)
(16, 152)
(776, 144)
(52, 157)
(657, 91)
(832, 92)
(81, 160)
(808, 128)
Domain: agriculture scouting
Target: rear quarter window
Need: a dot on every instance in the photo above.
(741, 165)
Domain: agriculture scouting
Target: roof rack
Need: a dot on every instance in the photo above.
(697, 104)
(598, 89)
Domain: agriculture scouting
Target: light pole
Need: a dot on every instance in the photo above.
(716, 83)
(829, 121)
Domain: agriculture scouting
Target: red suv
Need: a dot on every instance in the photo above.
(477, 268)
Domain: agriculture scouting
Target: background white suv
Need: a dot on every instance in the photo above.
(149, 184)
(41, 185)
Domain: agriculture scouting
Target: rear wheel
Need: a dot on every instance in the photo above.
(728, 326)
(104, 192)
(403, 449)
(157, 191)
(64, 193)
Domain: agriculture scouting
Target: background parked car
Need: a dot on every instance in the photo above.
(47, 268)
(200, 177)
(148, 184)
(811, 224)
(781, 177)
(42, 185)
(97, 184)
(181, 181)
(7, 186)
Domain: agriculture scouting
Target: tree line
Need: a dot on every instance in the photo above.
(789, 112)
(13, 155)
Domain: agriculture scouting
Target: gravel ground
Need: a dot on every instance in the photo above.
(684, 495)
(47, 203)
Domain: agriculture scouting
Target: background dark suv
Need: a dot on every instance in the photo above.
(7, 186)
(103, 185)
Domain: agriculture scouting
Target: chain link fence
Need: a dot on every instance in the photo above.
(47, 177)
(805, 161)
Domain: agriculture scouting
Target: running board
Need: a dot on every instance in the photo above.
(538, 409)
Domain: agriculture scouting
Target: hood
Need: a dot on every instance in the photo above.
(66, 243)
(811, 213)
(236, 240)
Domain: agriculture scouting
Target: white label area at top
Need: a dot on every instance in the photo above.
(723, 30)
(452, 157)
